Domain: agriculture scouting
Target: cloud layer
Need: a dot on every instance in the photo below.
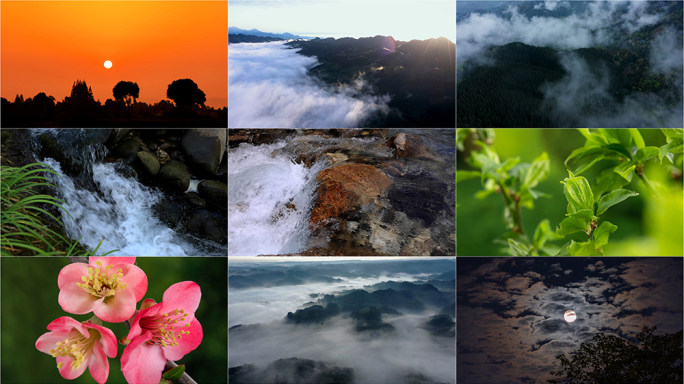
(519, 306)
(268, 87)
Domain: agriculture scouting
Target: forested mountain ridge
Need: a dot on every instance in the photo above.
(633, 80)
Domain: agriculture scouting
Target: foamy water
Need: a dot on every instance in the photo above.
(261, 188)
(121, 214)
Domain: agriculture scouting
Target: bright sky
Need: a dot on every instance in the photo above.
(47, 45)
(403, 20)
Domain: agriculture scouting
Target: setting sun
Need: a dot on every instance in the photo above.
(107, 64)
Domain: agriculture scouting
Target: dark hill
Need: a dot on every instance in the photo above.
(240, 38)
(419, 75)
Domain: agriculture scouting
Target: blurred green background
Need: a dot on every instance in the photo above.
(646, 227)
(29, 303)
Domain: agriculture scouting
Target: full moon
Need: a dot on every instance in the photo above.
(108, 64)
(570, 316)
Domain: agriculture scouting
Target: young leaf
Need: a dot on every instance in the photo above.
(576, 222)
(466, 175)
(175, 373)
(578, 193)
(540, 234)
(581, 249)
(608, 180)
(673, 133)
(613, 198)
(674, 146)
(646, 153)
(518, 249)
(564, 250)
(626, 170)
(602, 232)
(538, 171)
(636, 136)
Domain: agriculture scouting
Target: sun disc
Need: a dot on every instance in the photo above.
(107, 64)
(570, 316)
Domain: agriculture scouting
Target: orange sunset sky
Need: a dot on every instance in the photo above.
(47, 45)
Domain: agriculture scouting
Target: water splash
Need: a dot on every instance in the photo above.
(269, 201)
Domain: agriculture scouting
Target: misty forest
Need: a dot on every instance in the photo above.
(569, 64)
(383, 321)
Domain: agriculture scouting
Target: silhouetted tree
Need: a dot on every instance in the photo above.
(612, 359)
(43, 107)
(80, 107)
(185, 93)
(127, 91)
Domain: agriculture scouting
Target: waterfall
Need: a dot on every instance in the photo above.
(269, 201)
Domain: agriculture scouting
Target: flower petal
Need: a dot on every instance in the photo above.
(135, 323)
(134, 278)
(117, 308)
(66, 370)
(48, 341)
(110, 261)
(143, 363)
(74, 299)
(187, 343)
(184, 295)
(99, 365)
(72, 272)
(67, 324)
(107, 339)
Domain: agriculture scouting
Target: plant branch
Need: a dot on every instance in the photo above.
(654, 191)
(517, 212)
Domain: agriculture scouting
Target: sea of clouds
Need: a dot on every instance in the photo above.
(268, 87)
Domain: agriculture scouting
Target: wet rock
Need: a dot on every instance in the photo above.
(195, 200)
(407, 145)
(345, 187)
(205, 148)
(153, 147)
(162, 156)
(214, 191)
(335, 158)
(307, 149)
(149, 162)
(421, 245)
(175, 176)
(116, 135)
(127, 149)
(169, 212)
(165, 146)
(207, 225)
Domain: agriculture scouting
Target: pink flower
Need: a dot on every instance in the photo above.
(167, 330)
(107, 286)
(77, 346)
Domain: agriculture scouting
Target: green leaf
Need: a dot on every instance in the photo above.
(487, 165)
(613, 198)
(626, 170)
(625, 137)
(540, 234)
(576, 222)
(175, 373)
(646, 153)
(602, 232)
(581, 249)
(508, 217)
(578, 193)
(608, 180)
(466, 175)
(549, 250)
(593, 139)
(508, 164)
(481, 195)
(518, 249)
(674, 146)
(538, 171)
(673, 133)
(636, 136)
(619, 149)
(564, 250)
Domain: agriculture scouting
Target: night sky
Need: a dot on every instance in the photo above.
(510, 325)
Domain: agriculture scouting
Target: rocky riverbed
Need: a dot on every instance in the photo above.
(341, 192)
(146, 192)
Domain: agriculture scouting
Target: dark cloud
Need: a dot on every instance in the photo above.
(268, 87)
(519, 327)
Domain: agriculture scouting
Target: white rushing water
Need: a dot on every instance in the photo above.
(261, 187)
(122, 215)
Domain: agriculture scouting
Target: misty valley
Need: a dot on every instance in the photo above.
(342, 321)
(569, 64)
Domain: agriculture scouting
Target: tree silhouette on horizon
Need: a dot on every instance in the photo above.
(612, 359)
(128, 92)
(185, 93)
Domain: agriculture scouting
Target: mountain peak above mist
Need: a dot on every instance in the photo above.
(256, 32)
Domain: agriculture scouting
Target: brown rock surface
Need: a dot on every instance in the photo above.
(344, 187)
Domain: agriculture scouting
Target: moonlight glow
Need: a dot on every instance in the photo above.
(108, 64)
(570, 316)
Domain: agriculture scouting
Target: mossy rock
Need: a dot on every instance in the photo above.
(149, 162)
(214, 191)
(175, 176)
